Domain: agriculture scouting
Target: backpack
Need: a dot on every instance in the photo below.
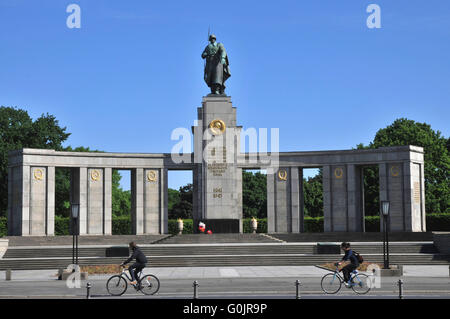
(358, 257)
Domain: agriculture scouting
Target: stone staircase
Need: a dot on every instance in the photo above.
(215, 250)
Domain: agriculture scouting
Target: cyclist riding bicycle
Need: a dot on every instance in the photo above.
(140, 263)
(354, 263)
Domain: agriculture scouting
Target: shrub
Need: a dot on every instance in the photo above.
(247, 225)
(3, 226)
(121, 225)
(62, 225)
(187, 226)
(313, 224)
(372, 223)
(438, 222)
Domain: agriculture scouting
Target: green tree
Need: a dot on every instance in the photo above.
(313, 195)
(437, 158)
(121, 199)
(17, 131)
(182, 208)
(173, 198)
(254, 194)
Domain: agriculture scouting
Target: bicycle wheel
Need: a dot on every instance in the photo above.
(116, 285)
(361, 284)
(149, 285)
(331, 283)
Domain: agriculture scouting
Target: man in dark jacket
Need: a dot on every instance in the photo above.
(354, 263)
(140, 263)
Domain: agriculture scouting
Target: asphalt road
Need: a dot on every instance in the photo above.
(231, 288)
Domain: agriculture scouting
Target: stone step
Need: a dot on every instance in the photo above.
(217, 261)
(353, 236)
(161, 250)
(18, 241)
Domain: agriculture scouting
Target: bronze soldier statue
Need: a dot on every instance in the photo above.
(216, 67)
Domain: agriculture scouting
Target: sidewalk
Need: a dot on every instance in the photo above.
(229, 272)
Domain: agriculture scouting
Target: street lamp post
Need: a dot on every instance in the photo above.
(385, 212)
(75, 208)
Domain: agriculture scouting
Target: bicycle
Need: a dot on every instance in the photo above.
(331, 283)
(118, 284)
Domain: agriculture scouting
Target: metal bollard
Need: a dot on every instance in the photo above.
(195, 285)
(88, 290)
(8, 274)
(297, 289)
(400, 289)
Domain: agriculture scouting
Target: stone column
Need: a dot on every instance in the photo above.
(38, 201)
(79, 195)
(413, 200)
(354, 199)
(137, 201)
(301, 201)
(50, 216)
(283, 201)
(296, 218)
(339, 197)
(271, 220)
(197, 205)
(392, 189)
(19, 201)
(152, 201)
(239, 198)
(164, 200)
(107, 191)
(95, 203)
(327, 198)
(342, 198)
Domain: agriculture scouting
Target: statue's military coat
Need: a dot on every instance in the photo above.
(216, 72)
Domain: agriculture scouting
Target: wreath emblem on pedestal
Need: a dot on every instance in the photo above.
(95, 175)
(38, 174)
(151, 176)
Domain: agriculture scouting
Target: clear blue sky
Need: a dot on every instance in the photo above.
(313, 69)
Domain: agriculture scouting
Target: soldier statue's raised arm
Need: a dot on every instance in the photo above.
(216, 67)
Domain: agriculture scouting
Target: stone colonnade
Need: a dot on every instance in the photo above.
(31, 189)
(401, 182)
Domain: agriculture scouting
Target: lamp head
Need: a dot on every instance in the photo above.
(75, 209)
(385, 208)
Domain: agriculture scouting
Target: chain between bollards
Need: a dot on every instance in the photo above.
(400, 289)
(195, 285)
(297, 289)
(88, 290)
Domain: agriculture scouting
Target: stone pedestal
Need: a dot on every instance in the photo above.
(31, 200)
(217, 179)
(342, 198)
(91, 188)
(284, 201)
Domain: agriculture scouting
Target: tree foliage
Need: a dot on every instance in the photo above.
(17, 131)
(180, 202)
(437, 158)
(313, 195)
(254, 194)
